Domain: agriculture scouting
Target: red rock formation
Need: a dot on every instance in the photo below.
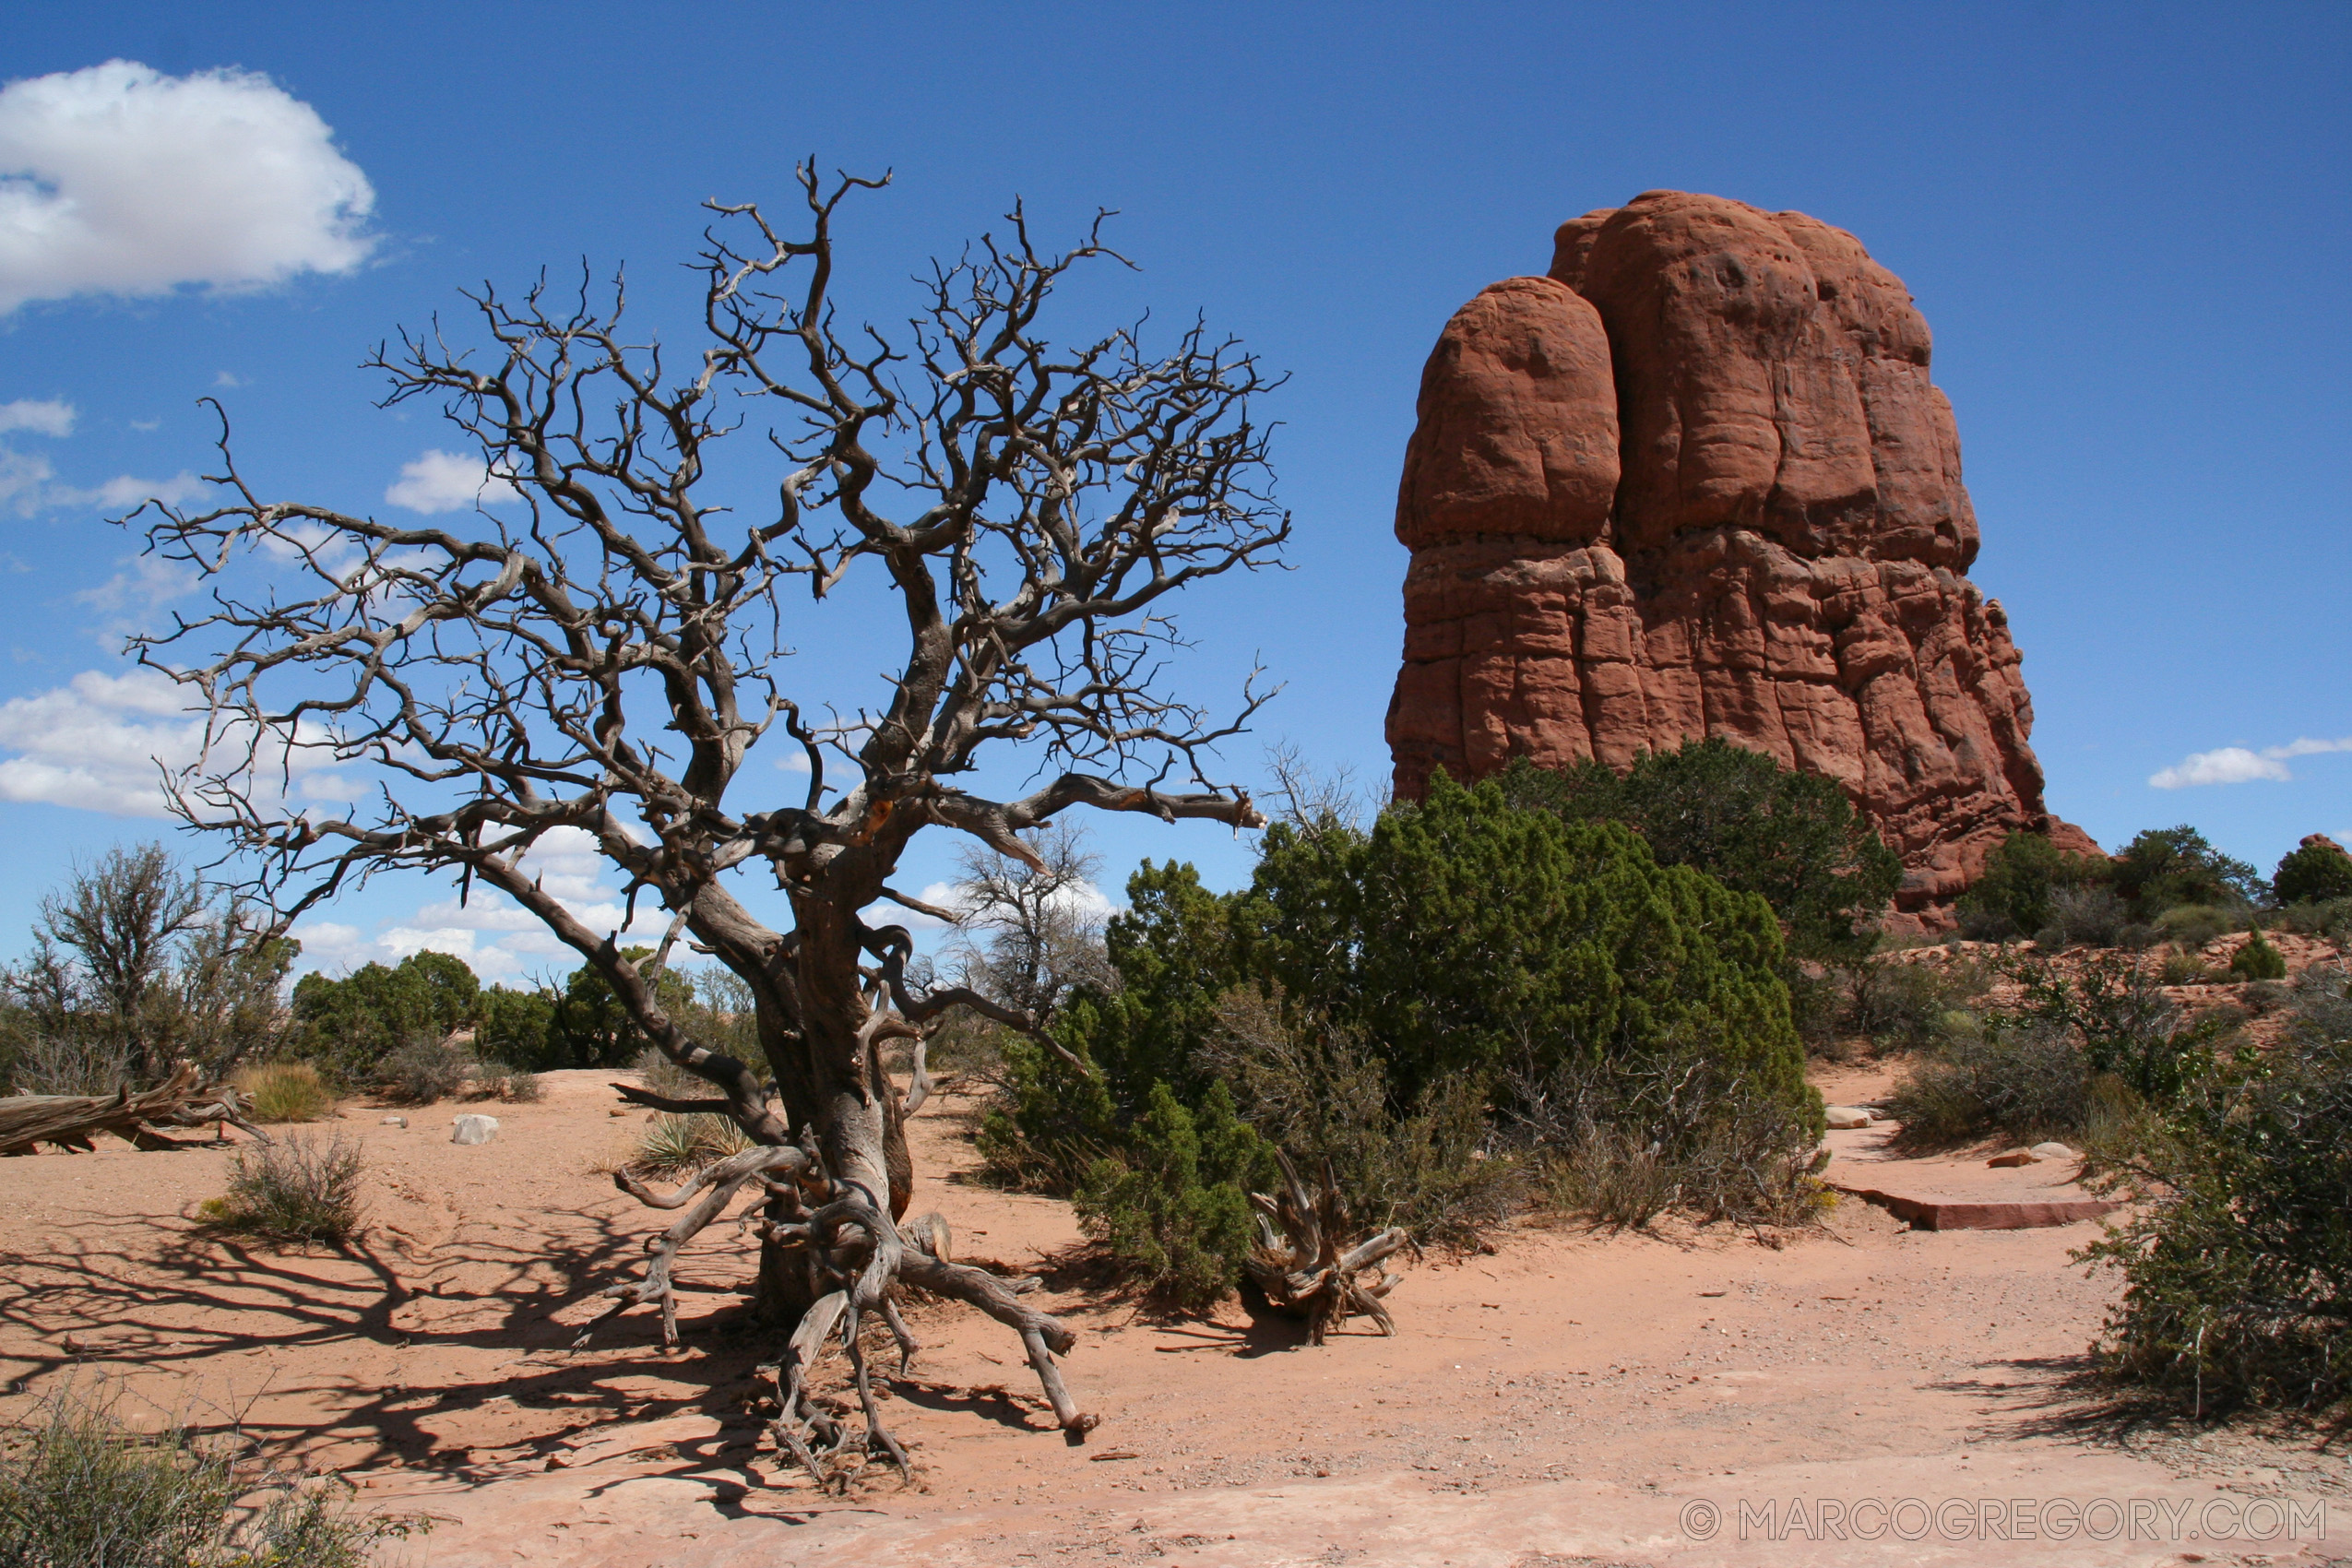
(1697, 482)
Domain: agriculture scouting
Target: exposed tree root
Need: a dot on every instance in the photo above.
(1299, 1262)
(858, 1259)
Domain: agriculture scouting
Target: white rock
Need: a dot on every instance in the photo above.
(474, 1130)
(395, 1121)
(1849, 1116)
(2053, 1151)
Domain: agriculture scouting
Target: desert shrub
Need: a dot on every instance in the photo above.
(2186, 969)
(78, 1490)
(424, 1071)
(1431, 1166)
(1895, 1004)
(1173, 952)
(2084, 914)
(2330, 918)
(1744, 820)
(1419, 969)
(2166, 867)
(292, 1189)
(2316, 871)
(671, 1144)
(136, 964)
(80, 1062)
(2258, 960)
(1463, 935)
(2012, 898)
(2116, 1011)
(2193, 925)
(285, 1091)
(2238, 1262)
(1172, 1206)
(522, 1087)
(1612, 1176)
(1623, 1142)
(496, 1080)
(2023, 1082)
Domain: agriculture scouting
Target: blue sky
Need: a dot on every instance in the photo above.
(2127, 225)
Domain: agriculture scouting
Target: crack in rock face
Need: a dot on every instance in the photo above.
(1696, 483)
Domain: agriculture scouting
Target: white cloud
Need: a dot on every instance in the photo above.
(2301, 746)
(52, 417)
(96, 742)
(129, 489)
(119, 180)
(130, 600)
(444, 481)
(2230, 764)
(2236, 765)
(28, 486)
(24, 482)
(101, 743)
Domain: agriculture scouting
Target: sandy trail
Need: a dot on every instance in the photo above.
(1570, 1397)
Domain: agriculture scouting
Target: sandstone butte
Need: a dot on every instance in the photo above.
(1695, 482)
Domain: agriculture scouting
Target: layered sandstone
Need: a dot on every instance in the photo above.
(1696, 483)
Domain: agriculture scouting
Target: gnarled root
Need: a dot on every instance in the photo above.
(1300, 1263)
(857, 1258)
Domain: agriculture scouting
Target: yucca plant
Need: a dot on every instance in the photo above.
(688, 1142)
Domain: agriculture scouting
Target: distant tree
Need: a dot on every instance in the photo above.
(2013, 895)
(2316, 871)
(2167, 867)
(590, 1027)
(353, 1023)
(1031, 931)
(136, 963)
(516, 1026)
(2258, 960)
(1746, 821)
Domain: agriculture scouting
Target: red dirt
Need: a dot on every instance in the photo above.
(1565, 1399)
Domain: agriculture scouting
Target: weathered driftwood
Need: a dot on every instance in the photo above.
(71, 1121)
(1299, 1263)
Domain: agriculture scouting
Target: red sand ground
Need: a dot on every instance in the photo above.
(1573, 1398)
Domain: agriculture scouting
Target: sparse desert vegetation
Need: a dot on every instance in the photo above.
(1702, 1066)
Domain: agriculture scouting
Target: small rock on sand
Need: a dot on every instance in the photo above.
(2053, 1151)
(395, 1121)
(2017, 1157)
(1849, 1116)
(474, 1130)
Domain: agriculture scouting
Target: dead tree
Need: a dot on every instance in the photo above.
(72, 1120)
(1305, 1264)
(603, 656)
